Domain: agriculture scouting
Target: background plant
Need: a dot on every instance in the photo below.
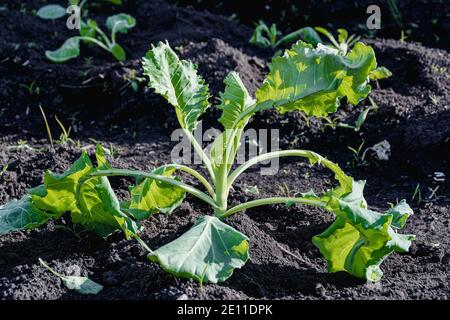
(91, 33)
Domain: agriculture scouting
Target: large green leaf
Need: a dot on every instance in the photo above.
(177, 81)
(151, 196)
(21, 214)
(99, 210)
(58, 194)
(315, 79)
(360, 239)
(70, 49)
(96, 207)
(208, 252)
(233, 102)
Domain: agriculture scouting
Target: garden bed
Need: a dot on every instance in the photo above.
(95, 98)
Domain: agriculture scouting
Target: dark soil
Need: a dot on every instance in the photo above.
(95, 98)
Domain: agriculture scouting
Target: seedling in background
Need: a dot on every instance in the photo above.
(334, 123)
(47, 127)
(21, 144)
(64, 137)
(303, 79)
(133, 79)
(90, 33)
(3, 172)
(358, 155)
(32, 88)
(417, 194)
(266, 37)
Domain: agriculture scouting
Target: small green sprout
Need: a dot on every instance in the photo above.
(32, 88)
(64, 137)
(358, 155)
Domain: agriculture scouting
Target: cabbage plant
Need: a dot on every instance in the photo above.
(308, 79)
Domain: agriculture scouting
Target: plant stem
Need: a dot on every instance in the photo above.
(274, 200)
(124, 172)
(221, 190)
(105, 37)
(93, 40)
(263, 157)
(144, 245)
(198, 148)
(50, 269)
(195, 174)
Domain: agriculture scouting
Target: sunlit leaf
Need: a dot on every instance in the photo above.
(233, 101)
(178, 82)
(208, 252)
(315, 80)
(58, 194)
(360, 239)
(152, 196)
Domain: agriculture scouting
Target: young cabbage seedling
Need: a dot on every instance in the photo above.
(266, 37)
(91, 33)
(307, 79)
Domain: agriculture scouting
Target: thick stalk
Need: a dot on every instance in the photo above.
(274, 200)
(222, 187)
(221, 197)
